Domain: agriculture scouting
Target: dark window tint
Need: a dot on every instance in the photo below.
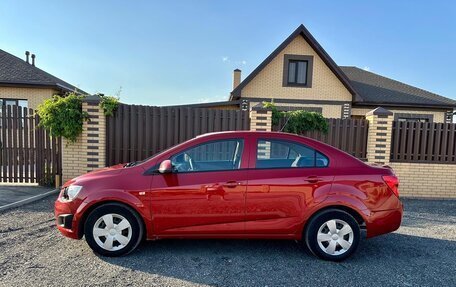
(423, 120)
(285, 154)
(297, 72)
(217, 155)
(14, 102)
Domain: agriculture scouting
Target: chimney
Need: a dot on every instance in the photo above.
(33, 59)
(27, 53)
(236, 78)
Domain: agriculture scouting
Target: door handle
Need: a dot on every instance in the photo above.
(231, 184)
(313, 179)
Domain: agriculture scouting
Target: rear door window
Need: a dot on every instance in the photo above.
(287, 154)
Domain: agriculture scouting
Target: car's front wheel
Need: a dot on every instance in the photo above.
(332, 235)
(113, 230)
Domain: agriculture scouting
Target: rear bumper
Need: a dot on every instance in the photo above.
(385, 221)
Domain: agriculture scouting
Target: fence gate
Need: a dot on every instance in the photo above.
(28, 154)
(136, 132)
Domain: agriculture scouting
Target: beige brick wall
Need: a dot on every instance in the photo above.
(72, 161)
(426, 180)
(439, 116)
(89, 151)
(34, 96)
(325, 85)
(328, 111)
(379, 138)
(261, 120)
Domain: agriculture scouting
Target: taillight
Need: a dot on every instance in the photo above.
(392, 182)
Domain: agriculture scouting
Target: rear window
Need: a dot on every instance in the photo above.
(287, 154)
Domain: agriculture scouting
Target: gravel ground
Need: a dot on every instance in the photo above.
(422, 252)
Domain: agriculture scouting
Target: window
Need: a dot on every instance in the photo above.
(297, 71)
(14, 102)
(286, 154)
(211, 156)
(423, 118)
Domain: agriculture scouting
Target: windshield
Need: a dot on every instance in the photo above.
(134, 163)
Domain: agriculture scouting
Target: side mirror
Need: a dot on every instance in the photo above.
(165, 167)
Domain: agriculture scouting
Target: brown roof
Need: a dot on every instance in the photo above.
(380, 90)
(15, 71)
(301, 30)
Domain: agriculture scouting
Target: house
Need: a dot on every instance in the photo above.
(300, 74)
(24, 84)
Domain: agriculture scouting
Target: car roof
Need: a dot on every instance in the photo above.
(245, 133)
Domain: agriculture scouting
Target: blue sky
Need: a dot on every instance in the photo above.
(175, 52)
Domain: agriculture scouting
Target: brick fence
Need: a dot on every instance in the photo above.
(420, 180)
(423, 180)
(89, 151)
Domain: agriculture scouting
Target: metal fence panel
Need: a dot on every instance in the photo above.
(136, 132)
(423, 142)
(349, 135)
(28, 153)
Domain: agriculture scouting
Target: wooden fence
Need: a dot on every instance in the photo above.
(423, 142)
(28, 154)
(137, 132)
(349, 135)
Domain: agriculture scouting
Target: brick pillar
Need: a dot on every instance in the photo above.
(260, 119)
(379, 135)
(89, 151)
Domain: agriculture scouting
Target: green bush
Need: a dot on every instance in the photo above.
(109, 104)
(63, 116)
(297, 121)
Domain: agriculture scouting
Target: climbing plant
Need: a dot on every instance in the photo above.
(297, 121)
(63, 116)
(108, 104)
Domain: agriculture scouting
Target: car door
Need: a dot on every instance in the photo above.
(285, 176)
(206, 192)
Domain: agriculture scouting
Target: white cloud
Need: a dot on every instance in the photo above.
(226, 59)
(366, 69)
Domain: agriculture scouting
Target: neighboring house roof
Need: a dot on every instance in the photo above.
(17, 72)
(301, 30)
(210, 104)
(379, 90)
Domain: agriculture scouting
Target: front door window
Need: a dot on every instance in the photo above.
(212, 156)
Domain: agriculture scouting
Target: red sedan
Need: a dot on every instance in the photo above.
(234, 185)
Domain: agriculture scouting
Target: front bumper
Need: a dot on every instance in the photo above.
(66, 218)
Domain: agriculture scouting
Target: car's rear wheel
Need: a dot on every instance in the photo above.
(332, 235)
(113, 230)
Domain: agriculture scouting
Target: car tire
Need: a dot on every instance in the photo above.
(113, 229)
(332, 235)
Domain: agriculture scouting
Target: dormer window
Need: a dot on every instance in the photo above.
(297, 71)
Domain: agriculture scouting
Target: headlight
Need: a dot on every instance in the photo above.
(71, 191)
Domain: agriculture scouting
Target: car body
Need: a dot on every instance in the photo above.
(235, 185)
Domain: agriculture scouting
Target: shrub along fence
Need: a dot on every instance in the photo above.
(349, 135)
(135, 132)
